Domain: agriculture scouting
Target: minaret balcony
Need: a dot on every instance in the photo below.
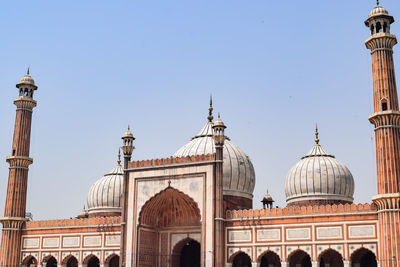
(19, 162)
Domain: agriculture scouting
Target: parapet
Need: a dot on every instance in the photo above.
(95, 221)
(302, 210)
(170, 161)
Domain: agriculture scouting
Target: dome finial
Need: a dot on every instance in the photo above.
(210, 109)
(316, 134)
(119, 157)
(377, 2)
(27, 72)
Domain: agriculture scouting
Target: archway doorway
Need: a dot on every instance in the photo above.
(241, 260)
(51, 262)
(169, 210)
(72, 262)
(363, 258)
(299, 259)
(190, 254)
(93, 262)
(270, 259)
(330, 258)
(30, 261)
(113, 261)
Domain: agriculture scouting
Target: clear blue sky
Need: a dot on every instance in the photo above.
(275, 68)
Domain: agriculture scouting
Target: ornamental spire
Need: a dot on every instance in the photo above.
(316, 134)
(210, 109)
(377, 2)
(27, 72)
(119, 156)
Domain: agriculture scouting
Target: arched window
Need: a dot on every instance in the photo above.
(372, 29)
(112, 260)
(378, 27)
(384, 27)
(384, 104)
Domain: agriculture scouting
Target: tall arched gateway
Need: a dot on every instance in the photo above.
(169, 211)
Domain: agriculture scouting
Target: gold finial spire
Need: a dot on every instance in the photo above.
(119, 156)
(316, 134)
(27, 72)
(210, 109)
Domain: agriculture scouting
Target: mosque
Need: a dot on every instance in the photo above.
(195, 207)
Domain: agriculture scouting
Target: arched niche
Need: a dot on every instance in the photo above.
(29, 261)
(241, 259)
(112, 260)
(91, 261)
(186, 253)
(70, 261)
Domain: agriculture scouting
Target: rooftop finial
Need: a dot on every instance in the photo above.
(210, 109)
(377, 2)
(27, 72)
(219, 117)
(316, 134)
(119, 156)
(129, 127)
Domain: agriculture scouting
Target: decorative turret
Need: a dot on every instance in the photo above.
(267, 201)
(386, 119)
(219, 140)
(15, 208)
(127, 148)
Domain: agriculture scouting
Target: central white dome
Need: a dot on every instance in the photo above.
(239, 176)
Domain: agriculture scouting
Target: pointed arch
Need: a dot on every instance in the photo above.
(241, 259)
(299, 257)
(28, 260)
(363, 257)
(233, 256)
(173, 207)
(179, 250)
(70, 261)
(269, 258)
(49, 261)
(91, 260)
(112, 260)
(330, 257)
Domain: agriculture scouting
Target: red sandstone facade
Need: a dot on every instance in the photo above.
(174, 210)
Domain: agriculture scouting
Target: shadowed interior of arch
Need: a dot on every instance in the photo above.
(299, 258)
(363, 258)
(270, 259)
(50, 262)
(330, 258)
(241, 260)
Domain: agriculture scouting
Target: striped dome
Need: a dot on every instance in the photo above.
(105, 194)
(319, 176)
(239, 176)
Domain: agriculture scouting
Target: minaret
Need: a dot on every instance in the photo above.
(386, 119)
(127, 148)
(219, 241)
(14, 212)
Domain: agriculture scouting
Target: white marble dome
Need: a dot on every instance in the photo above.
(105, 194)
(319, 177)
(239, 176)
(27, 79)
(378, 10)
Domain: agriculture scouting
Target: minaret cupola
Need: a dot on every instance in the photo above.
(26, 86)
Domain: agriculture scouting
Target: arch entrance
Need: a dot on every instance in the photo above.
(363, 258)
(299, 258)
(241, 260)
(270, 259)
(50, 262)
(168, 212)
(186, 254)
(330, 258)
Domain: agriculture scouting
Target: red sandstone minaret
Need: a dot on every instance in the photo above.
(14, 212)
(386, 119)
